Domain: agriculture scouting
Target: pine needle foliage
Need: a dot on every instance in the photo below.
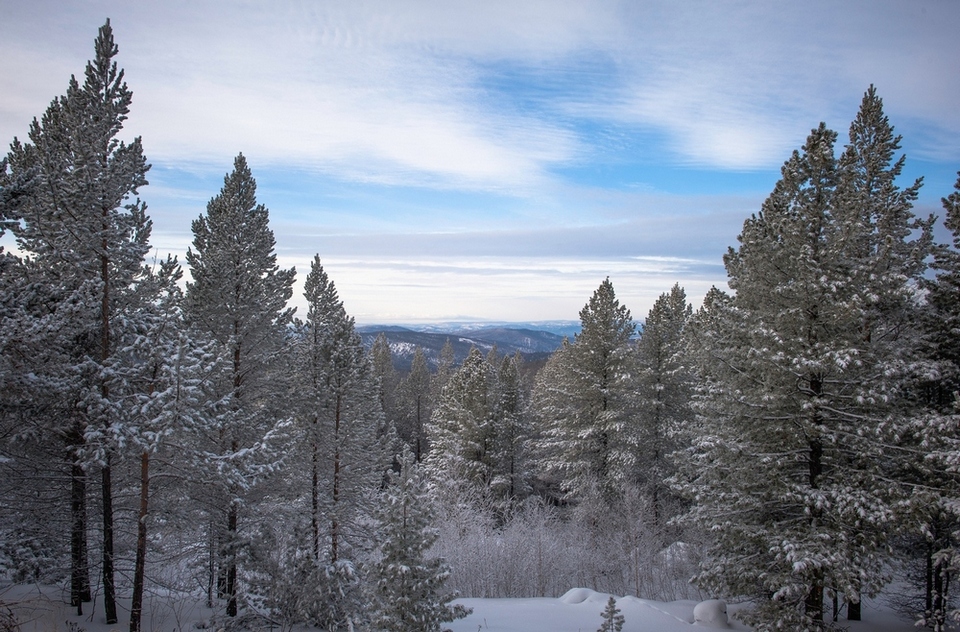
(408, 593)
(612, 619)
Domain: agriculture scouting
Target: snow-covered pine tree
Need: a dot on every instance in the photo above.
(461, 429)
(665, 388)
(381, 359)
(312, 572)
(408, 595)
(415, 405)
(802, 376)
(935, 502)
(238, 298)
(479, 430)
(511, 467)
(76, 217)
(884, 248)
(586, 400)
(612, 619)
(344, 420)
(37, 339)
(446, 365)
(943, 298)
(162, 378)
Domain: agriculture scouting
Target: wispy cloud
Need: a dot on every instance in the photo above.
(405, 141)
(500, 288)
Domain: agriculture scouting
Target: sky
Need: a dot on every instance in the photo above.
(495, 160)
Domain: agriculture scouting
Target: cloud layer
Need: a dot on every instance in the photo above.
(587, 135)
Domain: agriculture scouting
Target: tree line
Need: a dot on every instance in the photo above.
(791, 442)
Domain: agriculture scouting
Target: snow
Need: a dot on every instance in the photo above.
(711, 613)
(579, 611)
(45, 609)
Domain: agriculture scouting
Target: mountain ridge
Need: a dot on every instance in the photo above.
(534, 341)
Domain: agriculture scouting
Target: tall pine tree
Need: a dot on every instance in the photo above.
(71, 193)
(238, 298)
(803, 374)
(344, 420)
(415, 405)
(664, 390)
(586, 400)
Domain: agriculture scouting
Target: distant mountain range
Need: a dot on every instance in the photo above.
(534, 341)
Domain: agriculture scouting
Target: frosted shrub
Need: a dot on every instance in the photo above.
(542, 551)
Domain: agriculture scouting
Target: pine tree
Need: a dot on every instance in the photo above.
(586, 400)
(944, 295)
(415, 405)
(71, 195)
(461, 428)
(511, 474)
(163, 383)
(408, 594)
(665, 388)
(345, 418)
(381, 359)
(612, 619)
(238, 298)
(445, 368)
(934, 500)
(803, 374)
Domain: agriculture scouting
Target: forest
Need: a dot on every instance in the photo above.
(792, 443)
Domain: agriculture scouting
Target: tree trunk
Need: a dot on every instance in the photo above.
(853, 610)
(79, 569)
(136, 607)
(941, 588)
(211, 562)
(419, 431)
(231, 561)
(813, 604)
(109, 588)
(335, 526)
(315, 498)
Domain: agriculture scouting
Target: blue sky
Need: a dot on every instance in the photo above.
(496, 160)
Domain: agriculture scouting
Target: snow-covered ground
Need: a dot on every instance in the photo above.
(44, 609)
(579, 611)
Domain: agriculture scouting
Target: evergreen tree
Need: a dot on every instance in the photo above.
(511, 475)
(934, 500)
(479, 432)
(69, 198)
(163, 383)
(344, 416)
(238, 298)
(408, 594)
(612, 619)
(586, 400)
(665, 388)
(381, 359)
(802, 382)
(445, 368)
(461, 429)
(943, 297)
(415, 405)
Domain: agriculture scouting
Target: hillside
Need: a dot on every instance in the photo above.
(533, 343)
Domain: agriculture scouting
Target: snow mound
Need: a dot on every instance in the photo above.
(582, 595)
(711, 613)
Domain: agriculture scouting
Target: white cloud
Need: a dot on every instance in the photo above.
(486, 108)
(393, 91)
(501, 288)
